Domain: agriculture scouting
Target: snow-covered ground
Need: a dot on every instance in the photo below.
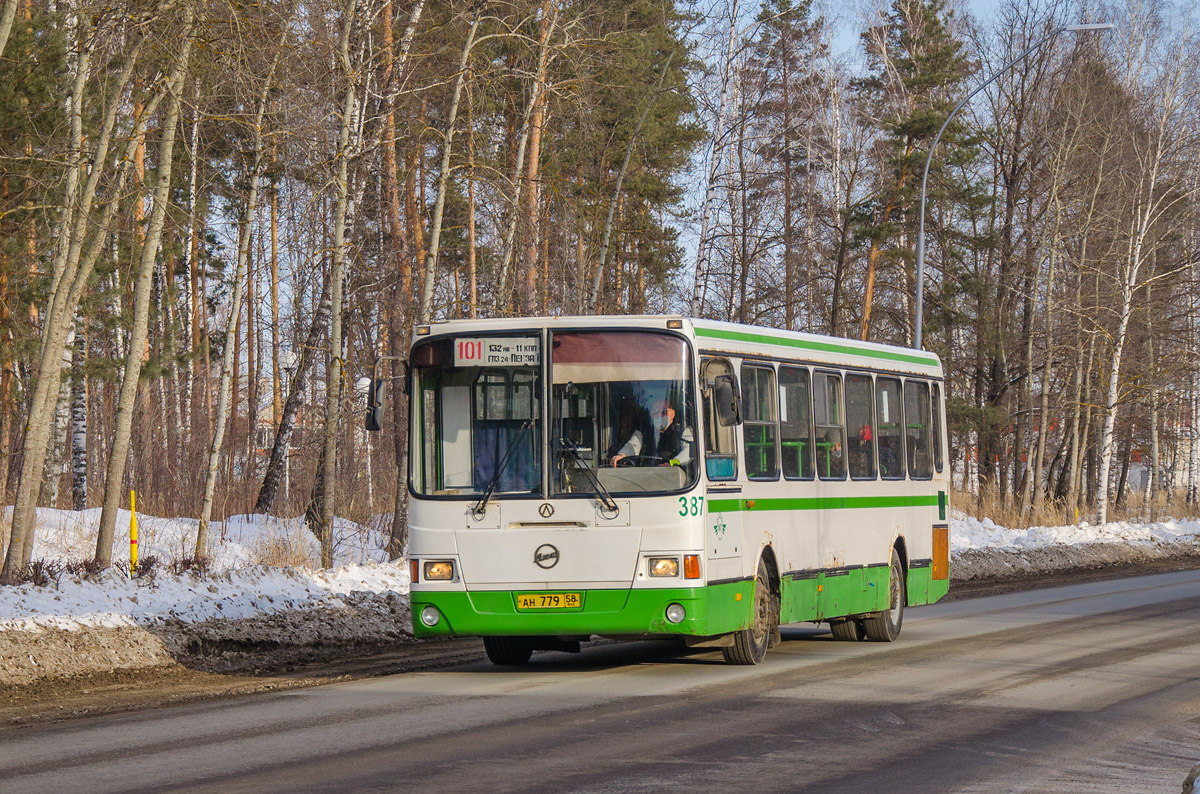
(237, 588)
(238, 585)
(967, 532)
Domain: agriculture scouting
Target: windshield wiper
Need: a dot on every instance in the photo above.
(601, 493)
(480, 507)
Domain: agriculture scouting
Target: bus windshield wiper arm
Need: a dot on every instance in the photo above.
(610, 504)
(481, 506)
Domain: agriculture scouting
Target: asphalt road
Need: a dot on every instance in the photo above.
(1087, 688)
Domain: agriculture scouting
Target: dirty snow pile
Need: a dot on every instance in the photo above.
(980, 548)
(236, 587)
(113, 600)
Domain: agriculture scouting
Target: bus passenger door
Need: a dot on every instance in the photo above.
(720, 415)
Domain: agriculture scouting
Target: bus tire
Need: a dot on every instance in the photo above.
(750, 644)
(508, 651)
(885, 626)
(847, 629)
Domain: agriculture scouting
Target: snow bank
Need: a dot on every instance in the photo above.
(967, 532)
(982, 549)
(112, 600)
(243, 540)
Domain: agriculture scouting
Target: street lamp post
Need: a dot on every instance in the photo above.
(929, 158)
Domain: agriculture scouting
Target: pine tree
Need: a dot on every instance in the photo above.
(917, 72)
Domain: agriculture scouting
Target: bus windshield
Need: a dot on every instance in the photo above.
(622, 416)
(477, 416)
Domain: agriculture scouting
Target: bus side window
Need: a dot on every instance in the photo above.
(917, 432)
(889, 430)
(937, 427)
(795, 423)
(858, 422)
(758, 426)
(720, 416)
(830, 426)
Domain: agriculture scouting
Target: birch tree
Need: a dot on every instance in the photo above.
(333, 381)
(225, 388)
(1159, 152)
(115, 474)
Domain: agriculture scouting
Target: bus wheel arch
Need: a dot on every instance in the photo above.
(773, 577)
(901, 548)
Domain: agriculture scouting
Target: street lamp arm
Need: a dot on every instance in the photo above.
(929, 158)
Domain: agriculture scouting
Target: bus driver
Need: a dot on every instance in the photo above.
(670, 438)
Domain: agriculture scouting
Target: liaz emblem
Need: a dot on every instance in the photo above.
(546, 556)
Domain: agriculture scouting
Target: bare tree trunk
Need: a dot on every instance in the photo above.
(138, 338)
(6, 20)
(79, 423)
(71, 267)
(532, 194)
(276, 465)
(1151, 493)
(337, 276)
(472, 268)
(276, 383)
(435, 234)
(224, 389)
(519, 167)
(52, 479)
(700, 285)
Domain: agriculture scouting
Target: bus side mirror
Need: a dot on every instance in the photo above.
(725, 398)
(376, 397)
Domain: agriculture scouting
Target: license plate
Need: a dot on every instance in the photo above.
(549, 601)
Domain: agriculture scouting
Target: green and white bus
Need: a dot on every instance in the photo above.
(656, 476)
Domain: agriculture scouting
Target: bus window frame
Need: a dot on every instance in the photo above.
(773, 395)
(874, 476)
(929, 434)
(898, 379)
(807, 370)
(939, 427)
(840, 375)
(702, 419)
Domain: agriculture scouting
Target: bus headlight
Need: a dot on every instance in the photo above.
(664, 566)
(440, 571)
(430, 616)
(676, 613)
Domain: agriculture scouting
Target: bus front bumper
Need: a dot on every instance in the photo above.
(716, 609)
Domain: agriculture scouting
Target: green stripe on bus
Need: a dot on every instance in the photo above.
(807, 344)
(822, 503)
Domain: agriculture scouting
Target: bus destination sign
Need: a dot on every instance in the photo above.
(497, 351)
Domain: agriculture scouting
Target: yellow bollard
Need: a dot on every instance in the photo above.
(132, 533)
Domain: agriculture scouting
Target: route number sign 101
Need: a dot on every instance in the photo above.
(497, 351)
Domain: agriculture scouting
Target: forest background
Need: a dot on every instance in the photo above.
(216, 215)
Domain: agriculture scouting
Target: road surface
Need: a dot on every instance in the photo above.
(1091, 687)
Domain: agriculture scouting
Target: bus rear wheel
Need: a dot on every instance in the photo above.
(750, 644)
(508, 651)
(885, 626)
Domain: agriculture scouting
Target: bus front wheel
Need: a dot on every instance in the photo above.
(885, 626)
(508, 651)
(750, 644)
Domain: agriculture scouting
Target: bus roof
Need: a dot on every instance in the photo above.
(723, 337)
